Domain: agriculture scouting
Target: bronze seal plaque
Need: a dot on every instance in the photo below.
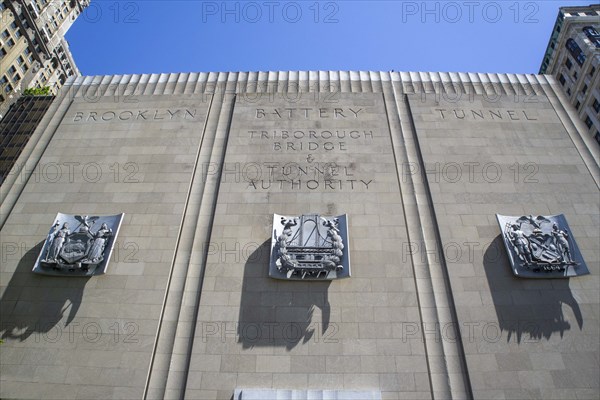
(541, 247)
(78, 245)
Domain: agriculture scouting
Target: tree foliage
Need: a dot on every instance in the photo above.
(39, 91)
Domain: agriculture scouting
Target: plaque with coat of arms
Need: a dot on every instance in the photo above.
(309, 247)
(78, 245)
(541, 246)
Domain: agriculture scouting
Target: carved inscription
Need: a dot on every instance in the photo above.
(311, 176)
(310, 140)
(491, 115)
(318, 135)
(135, 115)
(306, 113)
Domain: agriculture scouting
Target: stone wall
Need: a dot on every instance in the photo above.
(199, 163)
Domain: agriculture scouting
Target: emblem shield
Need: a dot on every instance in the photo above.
(76, 249)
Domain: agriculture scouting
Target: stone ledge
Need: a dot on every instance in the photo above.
(282, 394)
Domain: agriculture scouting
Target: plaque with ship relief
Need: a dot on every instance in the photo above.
(309, 247)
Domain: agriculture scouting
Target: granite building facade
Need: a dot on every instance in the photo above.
(420, 163)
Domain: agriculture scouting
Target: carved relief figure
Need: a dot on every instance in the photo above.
(59, 240)
(50, 239)
(338, 246)
(521, 244)
(282, 240)
(561, 240)
(99, 242)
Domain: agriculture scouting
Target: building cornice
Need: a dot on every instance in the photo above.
(308, 81)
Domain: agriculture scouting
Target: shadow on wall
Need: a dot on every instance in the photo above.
(533, 307)
(278, 312)
(33, 303)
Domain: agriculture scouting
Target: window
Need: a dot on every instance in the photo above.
(575, 75)
(8, 88)
(584, 89)
(592, 71)
(597, 136)
(569, 64)
(16, 78)
(12, 70)
(592, 34)
(18, 33)
(562, 79)
(2, 53)
(3, 80)
(27, 51)
(20, 60)
(10, 43)
(596, 105)
(577, 105)
(588, 122)
(13, 26)
(575, 51)
(5, 34)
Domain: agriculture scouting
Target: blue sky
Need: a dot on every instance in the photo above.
(125, 37)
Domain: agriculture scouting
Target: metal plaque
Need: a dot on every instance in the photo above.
(541, 247)
(78, 245)
(309, 247)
